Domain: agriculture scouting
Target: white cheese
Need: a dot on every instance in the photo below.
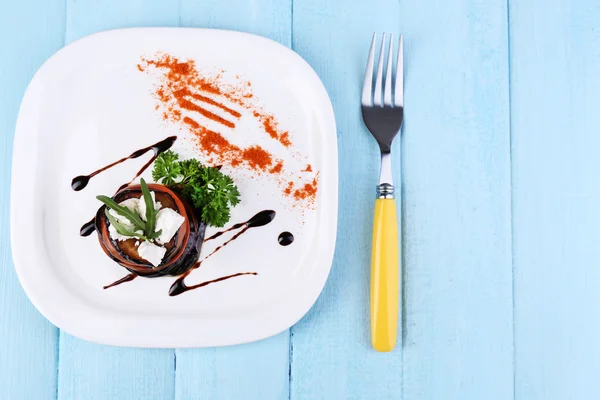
(151, 252)
(141, 208)
(132, 204)
(116, 235)
(169, 221)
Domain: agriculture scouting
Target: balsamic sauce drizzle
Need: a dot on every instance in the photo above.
(178, 287)
(262, 218)
(88, 228)
(80, 182)
(126, 278)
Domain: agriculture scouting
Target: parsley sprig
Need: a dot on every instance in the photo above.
(142, 230)
(209, 190)
(167, 168)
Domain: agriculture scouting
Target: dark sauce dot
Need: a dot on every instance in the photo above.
(285, 238)
(79, 182)
(261, 219)
(88, 228)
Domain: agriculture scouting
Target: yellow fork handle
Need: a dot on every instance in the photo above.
(384, 276)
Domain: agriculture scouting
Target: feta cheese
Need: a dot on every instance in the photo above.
(116, 235)
(141, 208)
(132, 204)
(151, 252)
(169, 221)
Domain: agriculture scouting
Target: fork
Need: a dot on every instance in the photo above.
(382, 112)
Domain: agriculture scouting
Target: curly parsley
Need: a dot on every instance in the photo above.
(207, 188)
(167, 168)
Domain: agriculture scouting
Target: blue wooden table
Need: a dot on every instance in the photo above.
(501, 208)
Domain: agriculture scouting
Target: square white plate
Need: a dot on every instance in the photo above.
(89, 105)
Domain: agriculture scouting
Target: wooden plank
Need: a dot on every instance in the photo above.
(87, 16)
(555, 58)
(29, 33)
(88, 370)
(253, 371)
(256, 370)
(269, 18)
(91, 371)
(457, 233)
(456, 206)
(331, 352)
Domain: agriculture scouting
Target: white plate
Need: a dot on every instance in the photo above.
(89, 105)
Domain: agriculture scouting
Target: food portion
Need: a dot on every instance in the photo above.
(150, 237)
(158, 229)
(141, 227)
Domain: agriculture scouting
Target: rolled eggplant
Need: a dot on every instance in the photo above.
(183, 250)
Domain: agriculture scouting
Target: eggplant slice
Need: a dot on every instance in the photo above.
(183, 250)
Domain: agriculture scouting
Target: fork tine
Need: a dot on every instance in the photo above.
(367, 92)
(387, 90)
(379, 79)
(399, 90)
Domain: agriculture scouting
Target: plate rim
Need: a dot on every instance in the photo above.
(90, 327)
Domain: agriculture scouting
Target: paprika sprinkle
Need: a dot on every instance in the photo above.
(288, 189)
(271, 127)
(257, 158)
(277, 168)
(309, 190)
(182, 94)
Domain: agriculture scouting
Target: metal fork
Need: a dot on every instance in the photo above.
(382, 112)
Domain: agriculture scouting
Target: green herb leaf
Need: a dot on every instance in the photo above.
(209, 190)
(190, 169)
(120, 228)
(132, 216)
(150, 210)
(166, 168)
(230, 191)
(218, 215)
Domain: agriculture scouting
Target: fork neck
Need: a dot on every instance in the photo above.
(385, 189)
